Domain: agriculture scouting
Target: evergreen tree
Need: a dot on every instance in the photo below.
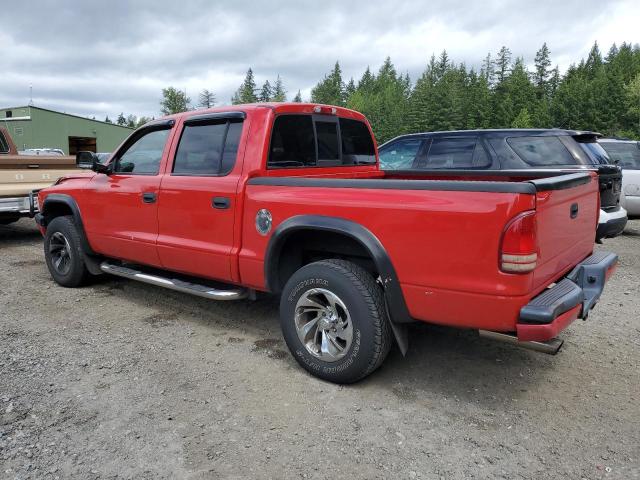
(132, 120)
(330, 90)
(487, 70)
(107, 119)
(121, 120)
(632, 104)
(279, 94)
(350, 89)
(207, 99)
(246, 93)
(542, 73)
(174, 101)
(595, 93)
(522, 120)
(298, 97)
(501, 64)
(266, 92)
(594, 61)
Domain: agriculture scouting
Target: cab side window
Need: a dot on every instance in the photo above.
(400, 155)
(143, 156)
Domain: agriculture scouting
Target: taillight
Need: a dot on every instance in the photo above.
(519, 248)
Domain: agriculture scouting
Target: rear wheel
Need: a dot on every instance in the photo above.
(63, 253)
(334, 320)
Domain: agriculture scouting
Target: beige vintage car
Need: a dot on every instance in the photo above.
(21, 174)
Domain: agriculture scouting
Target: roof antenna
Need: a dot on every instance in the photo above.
(30, 94)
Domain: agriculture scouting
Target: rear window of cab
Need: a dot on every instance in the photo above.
(319, 141)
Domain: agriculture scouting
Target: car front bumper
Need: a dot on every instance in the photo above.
(572, 297)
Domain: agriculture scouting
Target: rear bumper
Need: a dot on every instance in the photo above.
(611, 224)
(572, 297)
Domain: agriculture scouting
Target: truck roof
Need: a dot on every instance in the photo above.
(278, 107)
(506, 131)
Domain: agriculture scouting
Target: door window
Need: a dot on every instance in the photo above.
(207, 149)
(144, 155)
(400, 155)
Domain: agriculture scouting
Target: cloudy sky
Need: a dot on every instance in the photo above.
(106, 57)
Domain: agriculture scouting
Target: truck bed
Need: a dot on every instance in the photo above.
(443, 234)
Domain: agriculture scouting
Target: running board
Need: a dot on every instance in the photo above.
(550, 347)
(174, 283)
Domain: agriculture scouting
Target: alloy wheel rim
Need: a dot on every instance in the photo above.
(323, 324)
(60, 253)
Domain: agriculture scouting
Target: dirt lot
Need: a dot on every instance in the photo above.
(124, 380)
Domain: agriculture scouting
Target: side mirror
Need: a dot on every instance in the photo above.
(86, 159)
(99, 167)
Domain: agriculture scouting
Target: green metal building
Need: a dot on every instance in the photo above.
(35, 127)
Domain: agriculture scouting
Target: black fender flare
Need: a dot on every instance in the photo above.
(398, 311)
(69, 201)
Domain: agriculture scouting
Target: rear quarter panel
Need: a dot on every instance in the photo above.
(443, 244)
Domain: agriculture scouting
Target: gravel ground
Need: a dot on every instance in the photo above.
(125, 380)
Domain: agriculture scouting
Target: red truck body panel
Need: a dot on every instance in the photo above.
(444, 244)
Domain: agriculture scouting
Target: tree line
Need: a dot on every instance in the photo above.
(601, 93)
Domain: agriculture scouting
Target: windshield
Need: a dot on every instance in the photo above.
(596, 153)
(624, 154)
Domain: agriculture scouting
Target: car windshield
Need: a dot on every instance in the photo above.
(596, 153)
(625, 154)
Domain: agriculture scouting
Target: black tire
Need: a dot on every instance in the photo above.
(364, 300)
(62, 233)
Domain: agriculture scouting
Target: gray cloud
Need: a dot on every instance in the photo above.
(99, 59)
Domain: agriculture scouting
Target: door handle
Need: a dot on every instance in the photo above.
(221, 203)
(573, 212)
(149, 197)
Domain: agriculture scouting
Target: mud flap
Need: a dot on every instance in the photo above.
(400, 332)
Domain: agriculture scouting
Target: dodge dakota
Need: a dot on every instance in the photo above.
(289, 199)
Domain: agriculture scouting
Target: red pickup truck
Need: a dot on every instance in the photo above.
(289, 199)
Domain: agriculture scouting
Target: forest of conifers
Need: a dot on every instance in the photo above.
(600, 93)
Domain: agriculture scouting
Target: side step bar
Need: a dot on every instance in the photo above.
(175, 284)
(550, 347)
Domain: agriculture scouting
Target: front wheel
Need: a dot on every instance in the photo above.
(334, 320)
(63, 252)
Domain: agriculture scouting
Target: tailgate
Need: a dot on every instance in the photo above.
(16, 183)
(567, 215)
(610, 178)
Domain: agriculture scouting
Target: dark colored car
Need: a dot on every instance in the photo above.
(516, 150)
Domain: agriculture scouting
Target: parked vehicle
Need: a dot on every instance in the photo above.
(513, 150)
(20, 174)
(626, 154)
(51, 152)
(289, 199)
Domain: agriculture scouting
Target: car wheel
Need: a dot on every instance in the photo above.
(63, 252)
(334, 320)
